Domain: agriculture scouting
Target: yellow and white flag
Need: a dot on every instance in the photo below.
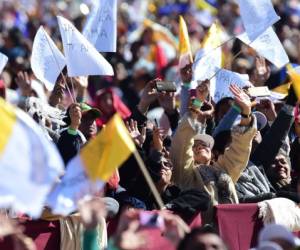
(295, 79)
(209, 58)
(185, 52)
(29, 163)
(88, 172)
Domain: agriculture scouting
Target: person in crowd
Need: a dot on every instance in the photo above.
(81, 126)
(202, 238)
(191, 158)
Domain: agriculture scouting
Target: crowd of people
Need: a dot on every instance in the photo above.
(198, 153)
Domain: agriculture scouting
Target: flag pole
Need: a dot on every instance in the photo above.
(232, 59)
(148, 179)
(62, 75)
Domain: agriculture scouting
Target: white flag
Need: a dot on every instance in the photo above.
(209, 59)
(257, 16)
(269, 46)
(82, 57)
(101, 27)
(220, 87)
(46, 60)
(74, 185)
(206, 64)
(3, 61)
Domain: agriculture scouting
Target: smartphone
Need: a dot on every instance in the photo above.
(259, 91)
(165, 86)
(150, 219)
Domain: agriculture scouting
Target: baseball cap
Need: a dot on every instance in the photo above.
(275, 231)
(268, 245)
(87, 108)
(261, 120)
(207, 139)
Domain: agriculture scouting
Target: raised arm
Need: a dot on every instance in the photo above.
(235, 158)
(181, 153)
(267, 150)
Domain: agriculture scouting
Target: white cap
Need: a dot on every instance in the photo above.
(268, 245)
(273, 231)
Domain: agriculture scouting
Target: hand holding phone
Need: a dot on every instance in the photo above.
(165, 86)
(149, 219)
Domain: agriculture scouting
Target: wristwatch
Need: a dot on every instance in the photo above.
(246, 116)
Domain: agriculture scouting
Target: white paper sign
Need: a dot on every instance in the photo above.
(101, 27)
(220, 87)
(74, 186)
(46, 60)
(257, 16)
(206, 64)
(3, 61)
(81, 56)
(269, 46)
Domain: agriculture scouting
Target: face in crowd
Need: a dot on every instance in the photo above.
(280, 170)
(202, 152)
(88, 125)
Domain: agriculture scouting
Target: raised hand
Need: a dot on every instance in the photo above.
(149, 95)
(24, 83)
(128, 236)
(137, 136)
(243, 101)
(75, 115)
(262, 71)
(157, 139)
(175, 228)
(186, 73)
(267, 107)
(202, 90)
(91, 212)
(57, 94)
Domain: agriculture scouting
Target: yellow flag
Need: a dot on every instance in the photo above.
(213, 38)
(203, 5)
(8, 119)
(185, 52)
(283, 89)
(295, 78)
(108, 150)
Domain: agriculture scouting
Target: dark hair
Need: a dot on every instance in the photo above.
(223, 101)
(294, 156)
(67, 118)
(207, 229)
(222, 140)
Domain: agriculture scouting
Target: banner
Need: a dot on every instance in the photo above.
(101, 26)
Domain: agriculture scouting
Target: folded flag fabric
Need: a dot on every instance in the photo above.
(185, 53)
(295, 79)
(204, 5)
(87, 172)
(82, 58)
(110, 148)
(29, 163)
(209, 58)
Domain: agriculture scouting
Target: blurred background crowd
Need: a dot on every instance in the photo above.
(148, 34)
